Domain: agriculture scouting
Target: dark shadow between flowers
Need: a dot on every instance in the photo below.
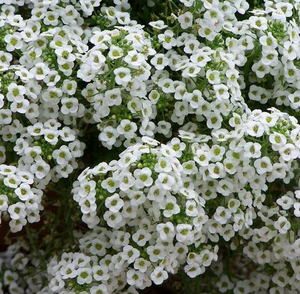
(156, 290)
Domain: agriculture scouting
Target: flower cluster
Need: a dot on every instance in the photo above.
(20, 201)
(94, 268)
(170, 127)
(49, 151)
(119, 60)
(18, 268)
(169, 186)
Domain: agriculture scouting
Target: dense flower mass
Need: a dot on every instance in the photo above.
(150, 141)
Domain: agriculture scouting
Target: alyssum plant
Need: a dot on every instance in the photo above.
(150, 139)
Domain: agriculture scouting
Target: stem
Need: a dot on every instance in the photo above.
(35, 249)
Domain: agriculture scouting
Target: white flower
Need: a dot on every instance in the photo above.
(258, 93)
(141, 264)
(222, 215)
(40, 71)
(62, 155)
(5, 116)
(100, 289)
(213, 76)
(252, 150)
(150, 141)
(189, 167)
(159, 61)
(285, 202)
(141, 237)
(20, 107)
(109, 135)
(96, 60)
(158, 275)
(277, 140)
(269, 119)
(64, 55)
(200, 219)
(68, 271)
(115, 52)
(289, 152)
(159, 24)
(156, 252)
(12, 181)
(69, 105)
(202, 157)
(134, 59)
(187, 3)
(135, 278)
(283, 10)
(191, 208)
(143, 177)
(156, 194)
(15, 93)
(185, 20)
(167, 39)
(126, 182)
(166, 181)
(69, 87)
(109, 184)
(127, 128)
(166, 231)
(260, 69)
(297, 209)
(24, 192)
(17, 211)
(214, 121)
(193, 270)
(13, 41)
(221, 91)
(40, 169)
(225, 187)
(113, 97)
(114, 203)
(255, 129)
(200, 58)
(130, 254)
(263, 165)
(206, 256)
(177, 146)
(3, 202)
(216, 170)
(258, 22)
(294, 99)
(84, 276)
(290, 50)
(233, 205)
(7, 169)
(127, 159)
(206, 31)
(16, 225)
(268, 42)
(241, 287)
(112, 219)
(100, 272)
(184, 233)
(191, 46)
(282, 225)
(163, 165)
(123, 76)
(170, 207)
(270, 58)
